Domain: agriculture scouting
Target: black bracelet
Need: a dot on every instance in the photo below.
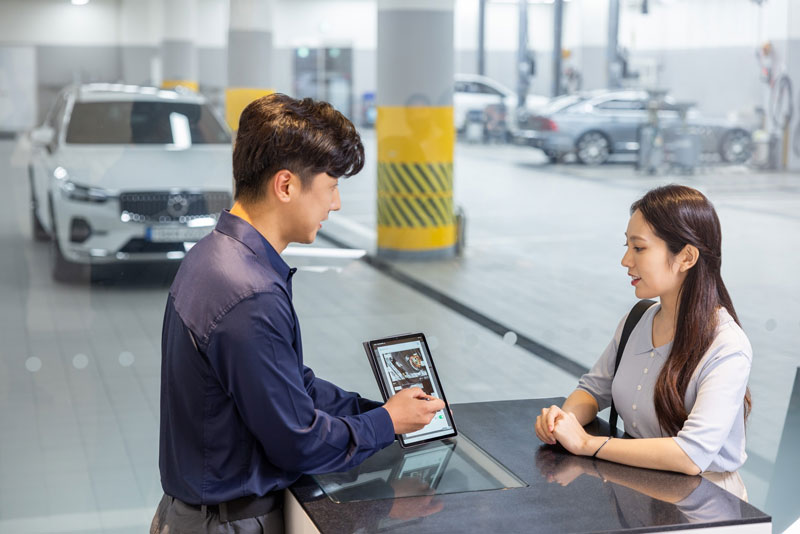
(601, 446)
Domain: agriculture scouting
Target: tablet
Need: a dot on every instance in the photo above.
(404, 361)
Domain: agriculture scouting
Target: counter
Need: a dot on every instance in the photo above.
(559, 492)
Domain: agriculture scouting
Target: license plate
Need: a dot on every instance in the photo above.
(172, 234)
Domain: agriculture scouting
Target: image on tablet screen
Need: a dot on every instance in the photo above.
(407, 365)
(407, 368)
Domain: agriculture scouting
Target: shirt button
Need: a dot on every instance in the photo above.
(652, 354)
(634, 406)
(645, 370)
(638, 388)
(634, 424)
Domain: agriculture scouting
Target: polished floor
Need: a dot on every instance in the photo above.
(79, 365)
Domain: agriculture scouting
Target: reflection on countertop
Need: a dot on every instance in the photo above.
(557, 497)
(450, 466)
(643, 497)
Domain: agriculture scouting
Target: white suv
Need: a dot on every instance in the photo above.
(474, 92)
(127, 173)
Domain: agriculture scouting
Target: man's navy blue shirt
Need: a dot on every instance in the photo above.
(240, 413)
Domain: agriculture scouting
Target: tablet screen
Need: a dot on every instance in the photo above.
(405, 362)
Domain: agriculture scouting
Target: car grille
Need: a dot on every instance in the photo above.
(167, 207)
(138, 245)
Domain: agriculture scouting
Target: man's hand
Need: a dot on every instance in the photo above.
(411, 409)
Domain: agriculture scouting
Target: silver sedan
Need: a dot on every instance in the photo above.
(595, 125)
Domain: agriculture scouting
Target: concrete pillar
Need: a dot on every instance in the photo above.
(558, 27)
(793, 70)
(589, 41)
(249, 56)
(612, 48)
(482, 37)
(178, 48)
(140, 40)
(523, 56)
(415, 129)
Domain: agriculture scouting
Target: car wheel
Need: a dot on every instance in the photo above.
(736, 146)
(64, 270)
(37, 229)
(593, 148)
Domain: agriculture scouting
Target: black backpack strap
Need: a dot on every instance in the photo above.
(633, 319)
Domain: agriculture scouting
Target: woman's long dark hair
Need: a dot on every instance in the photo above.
(683, 216)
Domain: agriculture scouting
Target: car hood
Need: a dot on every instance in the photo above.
(147, 168)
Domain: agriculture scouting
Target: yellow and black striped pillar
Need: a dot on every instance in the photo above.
(415, 129)
(178, 48)
(249, 56)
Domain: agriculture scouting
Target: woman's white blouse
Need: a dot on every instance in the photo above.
(713, 436)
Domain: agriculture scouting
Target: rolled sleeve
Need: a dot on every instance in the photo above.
(597, 382)
(258, 367)
(720, 393)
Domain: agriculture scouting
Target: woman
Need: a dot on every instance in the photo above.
(681, 385)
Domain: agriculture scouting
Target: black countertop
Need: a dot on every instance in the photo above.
(565, 493)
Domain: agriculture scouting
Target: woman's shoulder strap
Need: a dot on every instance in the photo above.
(630, 323)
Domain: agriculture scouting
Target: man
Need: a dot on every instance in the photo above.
(241, 416)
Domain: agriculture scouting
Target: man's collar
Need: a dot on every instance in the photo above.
(242, 231)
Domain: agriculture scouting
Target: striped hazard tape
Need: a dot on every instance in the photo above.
(415, 195)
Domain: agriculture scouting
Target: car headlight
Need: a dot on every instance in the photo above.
(82, 193)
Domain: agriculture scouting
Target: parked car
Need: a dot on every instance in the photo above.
(474, 92)
(595, 125)
(125, 173)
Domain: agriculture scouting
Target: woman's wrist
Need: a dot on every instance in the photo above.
(593, 444)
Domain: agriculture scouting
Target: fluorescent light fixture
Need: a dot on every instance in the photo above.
(201, 222)
(516, 2)
(319, 269)
(79, 2)
(316, 252)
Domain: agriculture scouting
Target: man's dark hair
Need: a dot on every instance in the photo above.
(278, 132)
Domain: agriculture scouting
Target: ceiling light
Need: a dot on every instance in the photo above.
(79, 2)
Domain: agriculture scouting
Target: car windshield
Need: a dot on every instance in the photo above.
(168, 123)
(563, 102)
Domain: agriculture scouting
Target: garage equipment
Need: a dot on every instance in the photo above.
(650, 136)
(461, 230)
(474, 125)
(682, 143)
(781, 112)
(796, 143)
